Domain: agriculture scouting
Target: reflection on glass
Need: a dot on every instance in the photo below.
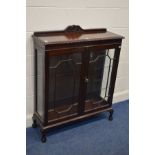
(64, 73)
(100, 66)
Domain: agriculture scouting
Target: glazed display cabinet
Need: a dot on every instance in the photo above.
(75, 74)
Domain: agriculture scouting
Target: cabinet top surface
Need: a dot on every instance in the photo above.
(75, 34)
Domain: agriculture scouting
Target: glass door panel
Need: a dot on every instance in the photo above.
(64, 81)
(99, 74)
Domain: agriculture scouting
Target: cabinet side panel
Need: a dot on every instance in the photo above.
(40, 84)
(113, 76)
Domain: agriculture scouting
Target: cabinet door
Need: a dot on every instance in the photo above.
(64, 81)
(98, 78)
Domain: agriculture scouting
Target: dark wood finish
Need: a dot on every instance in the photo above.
(69, 68)
(83, 83)
(46, 88)
(35, 81)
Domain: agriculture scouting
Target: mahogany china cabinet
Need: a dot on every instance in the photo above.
(75, 73)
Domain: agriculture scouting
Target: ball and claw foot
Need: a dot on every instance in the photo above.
(111, 115)
(43, 138)
(34, 125)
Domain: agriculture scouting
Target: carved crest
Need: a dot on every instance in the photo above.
(73, 28)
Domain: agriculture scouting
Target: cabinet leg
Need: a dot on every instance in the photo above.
(34, 124)
(111, 115)
(43, 137)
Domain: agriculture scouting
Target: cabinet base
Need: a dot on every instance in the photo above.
(46, 128)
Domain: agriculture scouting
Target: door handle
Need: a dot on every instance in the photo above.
(86, 80)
